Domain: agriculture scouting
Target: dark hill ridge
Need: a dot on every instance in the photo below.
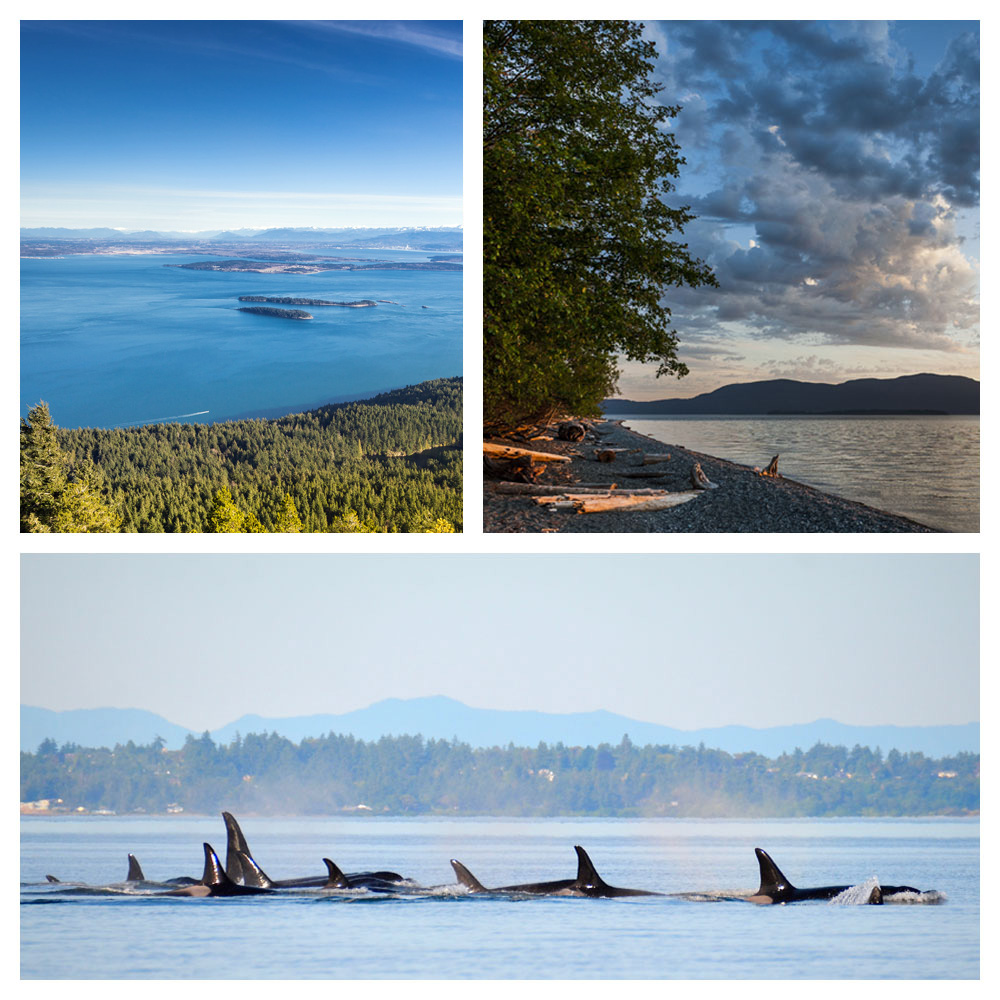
(925, 393)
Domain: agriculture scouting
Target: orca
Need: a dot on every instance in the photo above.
(238, 869)
(466, 878)
(775, 888)
(215, 882)
(336, 879)
(586, 883)
(589, 883)
(134, 872)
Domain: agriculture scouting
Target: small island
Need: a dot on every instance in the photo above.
(280, 313)
(287, 300)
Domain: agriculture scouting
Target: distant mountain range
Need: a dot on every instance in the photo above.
(444, 718)
(419, 237)
(951, 394)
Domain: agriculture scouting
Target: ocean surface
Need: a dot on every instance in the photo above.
(119, 340)
(119, 933)
(925, 468)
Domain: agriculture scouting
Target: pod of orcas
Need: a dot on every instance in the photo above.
(242, 876)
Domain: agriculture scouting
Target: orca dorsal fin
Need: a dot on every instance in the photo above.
(51, 878)
(466, 878)
(236, 844)
(134, 870)
(771, 879)
(875, 898)
(214, 873)
(337, 879)
(251, 872)
(586, 873)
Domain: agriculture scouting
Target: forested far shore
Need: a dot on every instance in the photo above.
(390, 463)
(408, 775)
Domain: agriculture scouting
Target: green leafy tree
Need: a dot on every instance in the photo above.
(51, 498)
(579, 243)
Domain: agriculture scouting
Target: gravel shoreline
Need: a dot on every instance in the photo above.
(743, 502)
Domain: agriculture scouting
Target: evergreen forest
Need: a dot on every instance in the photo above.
(392, 463)
(408, 775)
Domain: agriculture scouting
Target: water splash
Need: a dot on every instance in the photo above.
(856, 895)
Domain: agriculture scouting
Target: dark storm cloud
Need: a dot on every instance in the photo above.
(842, 168)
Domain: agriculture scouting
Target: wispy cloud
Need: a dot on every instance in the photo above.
(415, 33)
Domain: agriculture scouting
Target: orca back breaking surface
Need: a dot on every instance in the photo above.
(134, 870)
(775, 887)
(215, 881)
(589, 883)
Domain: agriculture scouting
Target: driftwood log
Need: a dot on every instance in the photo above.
(655, 459)
(699, 480)
(574, 494)
(509, 451)
(772, 469)
(520, 470)
(600, 505)
(571, 430)
(610, 454)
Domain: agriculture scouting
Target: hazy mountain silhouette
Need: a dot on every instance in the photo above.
(952, 394)
(444, 718)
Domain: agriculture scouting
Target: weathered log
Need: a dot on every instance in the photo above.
(521, 470)
(509, 451)
(571, 430)
(610, 454)
(532, 490)
(655, 459)
(590, 495)
(772, 469)
(699, 480)
(600, 505)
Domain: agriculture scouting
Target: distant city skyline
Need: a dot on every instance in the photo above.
(688, 641)
(195, 125)
(833, 169)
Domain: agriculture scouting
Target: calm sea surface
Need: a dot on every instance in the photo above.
(926, 468)
(110, 341)
(68, 932)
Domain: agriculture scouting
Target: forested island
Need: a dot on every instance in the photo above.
(279, 313)
(287, 300)
(391, 463)
(407, 775)
(303, 265)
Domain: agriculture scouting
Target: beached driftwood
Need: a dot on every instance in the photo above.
(772, 469)
(610, 454)
(520, 470)
(576, 494)
(533, 490)
(571, 430)
(599, 505)
(509, 451)
(699, 480)
(655, 459)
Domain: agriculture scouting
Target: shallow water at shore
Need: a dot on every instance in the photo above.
(111, 341)
(925, 468)
(456, 936)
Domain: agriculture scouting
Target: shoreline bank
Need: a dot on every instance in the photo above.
(743, 502)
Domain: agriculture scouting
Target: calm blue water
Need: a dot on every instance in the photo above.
(926, 468)
(114, 340)
(448, 935)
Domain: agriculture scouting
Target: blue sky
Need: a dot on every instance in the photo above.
(191, 125)
(834, 170)
(682, 640)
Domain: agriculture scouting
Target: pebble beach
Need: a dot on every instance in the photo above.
(743, 501)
